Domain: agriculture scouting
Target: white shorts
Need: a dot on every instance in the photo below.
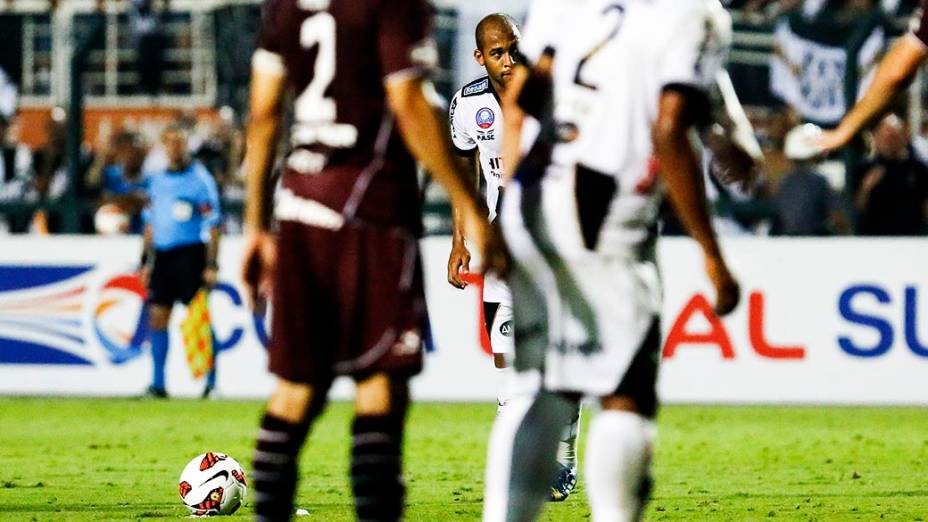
(582, 316)
(495, 290)
(500, 327)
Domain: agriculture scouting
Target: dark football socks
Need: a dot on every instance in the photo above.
(376, 468)
(275, 467)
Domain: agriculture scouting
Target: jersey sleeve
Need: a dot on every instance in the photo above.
(694, 52)
(461, 139)
(403, 42)
(268, 55)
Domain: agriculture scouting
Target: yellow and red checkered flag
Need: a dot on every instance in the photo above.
(198, 338)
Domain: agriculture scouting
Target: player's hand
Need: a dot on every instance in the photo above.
(727, 290)
(257, 267)
(210, 276)
(486, 238)
(731, 164)
(833, 140)
(458, 264)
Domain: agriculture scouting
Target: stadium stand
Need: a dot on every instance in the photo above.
(145, 63)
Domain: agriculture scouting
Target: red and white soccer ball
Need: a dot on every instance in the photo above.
(213, 484)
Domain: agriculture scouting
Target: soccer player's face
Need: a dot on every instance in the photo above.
(497, 54)
(175, 145)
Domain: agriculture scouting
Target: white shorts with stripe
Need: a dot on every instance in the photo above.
(581, 314)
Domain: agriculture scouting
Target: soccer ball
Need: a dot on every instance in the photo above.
(212, 484)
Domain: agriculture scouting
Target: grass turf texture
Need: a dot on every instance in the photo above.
(119, 460)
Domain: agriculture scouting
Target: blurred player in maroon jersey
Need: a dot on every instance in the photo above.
(894, 74)
(344, 269)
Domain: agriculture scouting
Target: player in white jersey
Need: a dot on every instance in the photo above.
(476, 129)
(622, 83)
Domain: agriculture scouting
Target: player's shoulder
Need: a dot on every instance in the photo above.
(468, 97)
(477, 87)
(201, 172)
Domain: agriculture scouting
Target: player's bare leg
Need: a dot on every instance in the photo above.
(381, 402)
(291, 411)
(618, 460)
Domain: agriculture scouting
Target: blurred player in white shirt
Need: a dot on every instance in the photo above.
(476, 130)
(616, 84)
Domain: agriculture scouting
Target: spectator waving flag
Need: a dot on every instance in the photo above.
(197, 335)
(810, 63)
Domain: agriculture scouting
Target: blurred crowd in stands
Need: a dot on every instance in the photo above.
(882, 190)
(841, 9)
(33, 184)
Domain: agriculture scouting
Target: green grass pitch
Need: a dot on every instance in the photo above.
(71, 459)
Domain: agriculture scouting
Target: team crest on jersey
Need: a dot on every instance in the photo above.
(485, 118)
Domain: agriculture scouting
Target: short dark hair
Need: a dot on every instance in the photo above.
(493, 20)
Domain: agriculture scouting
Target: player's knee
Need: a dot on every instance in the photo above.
(620, 403)
(158, 317)
(381, 395)
(499, 360)
(295, 402)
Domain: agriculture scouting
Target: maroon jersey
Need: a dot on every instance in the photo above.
(347, 153)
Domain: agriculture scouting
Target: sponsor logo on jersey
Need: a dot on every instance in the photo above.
(485, 118)
(506, 329)
(476, 88)
(489, 135)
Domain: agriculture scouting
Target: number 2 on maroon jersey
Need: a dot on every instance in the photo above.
(318, 31)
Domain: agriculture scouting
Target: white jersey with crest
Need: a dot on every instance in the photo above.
(612, 59)
(477, 125)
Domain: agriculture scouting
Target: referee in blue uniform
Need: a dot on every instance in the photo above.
(181, 244)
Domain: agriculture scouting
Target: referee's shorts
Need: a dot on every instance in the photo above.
(177, 274)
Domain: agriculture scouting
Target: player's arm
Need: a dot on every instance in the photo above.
(469, 157)
(528, 94)
(513, 118)
(147, 261)
(731, 136)
(894, 73)
(459, 259)
(682, 176)
(214, 222)
(268, 81)
(426, 137)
